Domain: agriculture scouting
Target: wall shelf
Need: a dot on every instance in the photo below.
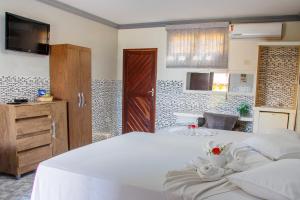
(200, 115)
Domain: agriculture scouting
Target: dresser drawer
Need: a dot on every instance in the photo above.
(34, 156)
(27, 111)
(32, 125)
(33, 141)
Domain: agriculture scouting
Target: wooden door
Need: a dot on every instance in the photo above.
(74, 98)
(139, 87)
(59, 127)
(86, 90)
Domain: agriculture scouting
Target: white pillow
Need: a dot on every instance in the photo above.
(278, 131)
(279, 180)
(276, 146)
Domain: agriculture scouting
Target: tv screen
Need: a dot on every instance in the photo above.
(26, 35)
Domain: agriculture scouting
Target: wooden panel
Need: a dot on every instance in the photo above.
(74, 110)
(27, 168)
(8, 162)
(86, 110)
(138, 100)
(40, 139)
(33, 156)
(25, 111)
(60, 129)
(32, 125)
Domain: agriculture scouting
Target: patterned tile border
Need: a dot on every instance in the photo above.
(107, 101)
(278, 75)
(170, 98)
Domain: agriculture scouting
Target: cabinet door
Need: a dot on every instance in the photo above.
(270, 120)
(59, 127)
(243, 55)
(86, 110)
(73, 89)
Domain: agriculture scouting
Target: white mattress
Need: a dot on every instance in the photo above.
(127, 167)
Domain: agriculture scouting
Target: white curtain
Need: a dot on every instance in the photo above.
(198, 45)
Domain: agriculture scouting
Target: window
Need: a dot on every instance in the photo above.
(198, 45)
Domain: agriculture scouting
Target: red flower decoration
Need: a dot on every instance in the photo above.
(216, 151)
(192, 126)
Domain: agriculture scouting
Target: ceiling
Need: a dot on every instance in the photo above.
(146, 11)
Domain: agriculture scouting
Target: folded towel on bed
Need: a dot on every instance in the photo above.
(200, 179)
(188, 185)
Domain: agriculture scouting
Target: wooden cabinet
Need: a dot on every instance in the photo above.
(268, 118)
(60, 140)
(242, 57)
(70, 74)
(31, 133)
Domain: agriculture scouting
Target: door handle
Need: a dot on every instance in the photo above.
(152, 92)
(82, 100)
(79, 100)
(53, 129)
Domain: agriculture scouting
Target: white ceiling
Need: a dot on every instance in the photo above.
(143, 11)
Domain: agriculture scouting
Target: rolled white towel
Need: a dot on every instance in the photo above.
(209, 172)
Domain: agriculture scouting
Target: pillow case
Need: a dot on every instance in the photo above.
(278, 131)
(276, 146)
(279, 180)
(220, 121)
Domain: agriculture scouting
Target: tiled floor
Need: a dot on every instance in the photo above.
(12, 189)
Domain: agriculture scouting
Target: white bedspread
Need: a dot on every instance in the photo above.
(128, 167)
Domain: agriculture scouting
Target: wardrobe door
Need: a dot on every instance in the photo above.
(73, 88)
(59, 127)
(86, 108)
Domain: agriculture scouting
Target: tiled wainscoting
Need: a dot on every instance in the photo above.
(171, 98)
(12, 87)
(107, 101)
(106, 98)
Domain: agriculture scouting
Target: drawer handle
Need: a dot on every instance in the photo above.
(53, 129)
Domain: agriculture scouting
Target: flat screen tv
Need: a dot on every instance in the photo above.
(26, 35)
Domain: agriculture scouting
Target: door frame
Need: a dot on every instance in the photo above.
(153, 114)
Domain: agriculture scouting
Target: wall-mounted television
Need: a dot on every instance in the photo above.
(27, 35)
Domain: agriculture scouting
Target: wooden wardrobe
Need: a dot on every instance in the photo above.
(70, 76)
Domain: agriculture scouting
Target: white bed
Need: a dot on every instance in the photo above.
(128, 167)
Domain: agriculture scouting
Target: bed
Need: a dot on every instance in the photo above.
(127, 167)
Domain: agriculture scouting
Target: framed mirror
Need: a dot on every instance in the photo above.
(199, 81)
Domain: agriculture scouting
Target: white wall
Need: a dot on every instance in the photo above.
(242, 52)
(65, 28)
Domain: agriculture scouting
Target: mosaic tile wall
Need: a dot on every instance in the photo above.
(12, 87)
(107, 101)
(104, 95)
(170, 98)
(278, 71)
(107, 106)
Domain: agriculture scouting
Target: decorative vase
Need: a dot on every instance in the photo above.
(218, 160)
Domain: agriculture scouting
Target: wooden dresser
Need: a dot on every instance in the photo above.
(31, 133)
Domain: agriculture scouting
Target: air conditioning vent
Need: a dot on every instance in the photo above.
(256, 30)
